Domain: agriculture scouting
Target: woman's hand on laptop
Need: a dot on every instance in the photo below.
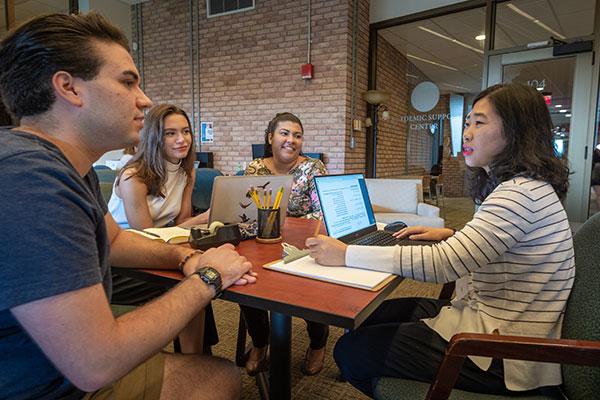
(327, 250)
(424, 233)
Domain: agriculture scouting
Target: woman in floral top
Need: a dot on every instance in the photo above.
(283, 148)
(304, 201)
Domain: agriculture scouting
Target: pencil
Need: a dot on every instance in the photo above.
(271, 219)
(254, 197)
(278, 198)
(318, 228)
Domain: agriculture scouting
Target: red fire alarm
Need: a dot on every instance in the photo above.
(306, 70)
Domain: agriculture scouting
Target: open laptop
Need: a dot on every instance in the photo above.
(348, 213)
(230, 202)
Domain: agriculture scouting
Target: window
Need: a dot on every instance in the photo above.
(432, 68)
(220, 7)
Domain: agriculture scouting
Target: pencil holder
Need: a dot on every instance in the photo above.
(268, 225)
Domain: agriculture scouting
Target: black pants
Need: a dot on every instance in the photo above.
(257, 322)
(134, 292)
(392, 342)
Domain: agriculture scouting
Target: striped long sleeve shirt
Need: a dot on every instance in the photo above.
(514, 267)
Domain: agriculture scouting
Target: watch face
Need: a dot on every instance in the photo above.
(210, 274)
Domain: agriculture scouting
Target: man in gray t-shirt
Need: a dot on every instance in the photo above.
(75, 89)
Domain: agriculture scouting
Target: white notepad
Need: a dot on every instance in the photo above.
(355, 277)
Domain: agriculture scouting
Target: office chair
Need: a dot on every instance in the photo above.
(203, 188)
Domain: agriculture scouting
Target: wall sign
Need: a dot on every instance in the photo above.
(206, 132)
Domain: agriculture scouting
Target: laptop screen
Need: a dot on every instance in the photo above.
(345, 203)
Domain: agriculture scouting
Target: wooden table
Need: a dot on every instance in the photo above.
(289, 295)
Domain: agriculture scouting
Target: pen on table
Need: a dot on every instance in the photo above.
(147, 233)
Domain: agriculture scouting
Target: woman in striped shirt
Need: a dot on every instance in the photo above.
(513, 263)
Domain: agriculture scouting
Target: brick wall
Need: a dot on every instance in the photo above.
(392, 134)
(250, 69)
(355, 158)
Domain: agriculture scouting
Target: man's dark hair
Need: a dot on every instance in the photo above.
(529, 151)
(32, 53)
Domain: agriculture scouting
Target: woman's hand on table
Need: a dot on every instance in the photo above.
(424, 233)
(327, 250)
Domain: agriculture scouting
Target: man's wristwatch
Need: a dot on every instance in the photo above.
(211, 277)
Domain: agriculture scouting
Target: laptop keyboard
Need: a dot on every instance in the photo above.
(377, 238)
(385, 238)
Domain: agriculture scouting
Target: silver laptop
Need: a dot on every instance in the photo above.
(230, 201)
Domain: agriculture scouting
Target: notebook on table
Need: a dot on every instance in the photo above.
(348, 213)
(307, 267)
(230, 201)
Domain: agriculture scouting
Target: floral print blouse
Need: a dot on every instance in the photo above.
(304, 201)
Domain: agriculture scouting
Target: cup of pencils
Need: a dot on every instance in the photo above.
(269, 215)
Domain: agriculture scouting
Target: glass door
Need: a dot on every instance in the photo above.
(566, 83)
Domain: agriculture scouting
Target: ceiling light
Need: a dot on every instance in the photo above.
(558, 106)
(568, 115)
(562, 111)
(431, 62)
(539, 89)
(448, 38)
(480, 37)
(535, 21)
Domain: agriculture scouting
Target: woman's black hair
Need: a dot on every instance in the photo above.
(529, 151)
(281, 117)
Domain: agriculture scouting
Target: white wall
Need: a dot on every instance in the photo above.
(118, 12)
(381, 10)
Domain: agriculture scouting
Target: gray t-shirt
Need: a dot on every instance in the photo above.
(53, 240)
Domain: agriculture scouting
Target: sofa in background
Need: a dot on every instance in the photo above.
(402, 200)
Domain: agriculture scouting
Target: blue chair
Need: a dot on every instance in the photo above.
(581, 325)
(258, 150)
(100, 167)
(318, 156)
(106, 177)
(203, 188)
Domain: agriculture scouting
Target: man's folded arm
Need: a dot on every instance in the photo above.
(78, 333)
